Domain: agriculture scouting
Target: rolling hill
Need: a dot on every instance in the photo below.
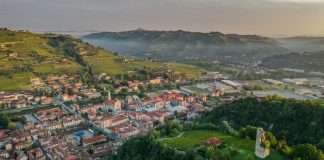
(302, 44)
(309, 61)
(24, 55)
(182, 45)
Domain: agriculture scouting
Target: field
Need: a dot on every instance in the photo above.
(264, 86)
(195, 138)
(194, 89)
(106, 62)
(25, 53)
(190, 70)
(19, 81)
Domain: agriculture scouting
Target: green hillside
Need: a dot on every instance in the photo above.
(305, 61)
(195, 138)
(302, 44)
(182, 45)
(24, 55)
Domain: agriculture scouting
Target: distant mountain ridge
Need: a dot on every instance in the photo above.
(183, 45)
(302, 43)
(309, 61)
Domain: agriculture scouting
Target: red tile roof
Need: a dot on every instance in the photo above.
(94, 139)
(213, 141)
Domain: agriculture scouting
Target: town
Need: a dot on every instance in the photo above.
(65, 118)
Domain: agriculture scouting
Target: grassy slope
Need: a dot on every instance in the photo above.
(20, 81)
(193, 139)
(54, 62)
(26, 44)
(104, 61)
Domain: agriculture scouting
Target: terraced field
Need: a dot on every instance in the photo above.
(24, 55)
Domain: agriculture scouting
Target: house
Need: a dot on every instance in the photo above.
(157, 80)
(13, 55)
(105, 121)
(47, 101)
(99, 151)
(117, 90)
(191, 99)
(231, 83)
(124, 131)
(71, 121)
(212, 142)
(25, 136)
(113, 105)
(21, 145)
(133, 84)
(4, 154)
(21, 103)
(159, 115)
(36, 154)
(217, 93)
(75, 107)
(93, 140)
(2, 133)
(297, 81)
(91, 93)
(203, 97)
(54, 125)
(36, 81)
(22, 156)
(273, 82)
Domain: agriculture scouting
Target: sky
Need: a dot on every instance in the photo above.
(263, 17)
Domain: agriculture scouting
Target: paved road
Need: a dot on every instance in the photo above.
(180, 135)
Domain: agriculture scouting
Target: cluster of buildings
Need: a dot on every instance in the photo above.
(213, 76)
(303, 88)
(52, 136)
(92, 131)
(18, 99)
(123, 119)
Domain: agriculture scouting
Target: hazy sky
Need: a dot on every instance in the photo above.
(266, 17)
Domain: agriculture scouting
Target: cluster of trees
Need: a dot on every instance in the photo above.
(171, 129)
(291, 120)
(66, 46)
(29, 111)
(3, 106)
(5, 122)
(17, 69)
(218, 153)
(300, 151)
(147, 147)
(39, 58)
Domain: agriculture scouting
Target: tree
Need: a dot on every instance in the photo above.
(283, 147)
(271, 138)
(266, 144)
(11, 125)
(307, 152)
(155, 134)
(276, 114)
(4, 120)
(248, 131)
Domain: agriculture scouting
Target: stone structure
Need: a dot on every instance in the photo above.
(260, 151)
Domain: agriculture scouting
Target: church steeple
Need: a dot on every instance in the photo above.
(109, 95)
